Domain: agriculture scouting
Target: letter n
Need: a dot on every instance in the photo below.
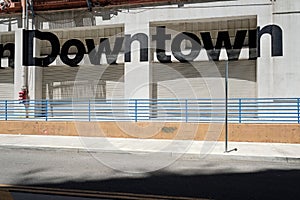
(11, 48)
(143, 39)
(276, 39)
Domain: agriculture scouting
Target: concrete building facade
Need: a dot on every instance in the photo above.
(261, 38)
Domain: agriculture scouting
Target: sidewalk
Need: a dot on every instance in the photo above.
(194, 149)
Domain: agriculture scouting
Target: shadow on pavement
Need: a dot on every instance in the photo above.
(269, 184)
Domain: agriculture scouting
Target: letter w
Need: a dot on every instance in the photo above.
(233, 53)
(104, 47)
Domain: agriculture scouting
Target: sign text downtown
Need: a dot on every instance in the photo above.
(104, 47)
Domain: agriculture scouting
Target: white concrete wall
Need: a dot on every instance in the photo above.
(262, 10)
(286, 69)
(276, 77)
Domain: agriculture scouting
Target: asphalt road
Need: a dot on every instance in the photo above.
(208, 178)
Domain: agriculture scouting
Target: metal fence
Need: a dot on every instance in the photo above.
(242, 110)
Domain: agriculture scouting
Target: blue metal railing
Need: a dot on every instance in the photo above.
(240, 110)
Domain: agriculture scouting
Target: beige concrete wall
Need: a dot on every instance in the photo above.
(276, 133)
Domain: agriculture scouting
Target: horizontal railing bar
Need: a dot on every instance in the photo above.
(240, 110)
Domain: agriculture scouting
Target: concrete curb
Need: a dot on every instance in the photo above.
(194, 156)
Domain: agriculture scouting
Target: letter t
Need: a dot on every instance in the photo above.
(161, 38)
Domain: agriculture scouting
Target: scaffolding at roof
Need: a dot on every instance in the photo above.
(45, 5)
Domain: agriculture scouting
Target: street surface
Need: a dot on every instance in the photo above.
(206, 178)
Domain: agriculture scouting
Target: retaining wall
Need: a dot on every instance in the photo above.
(276, 133)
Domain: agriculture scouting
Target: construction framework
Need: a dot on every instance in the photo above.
(44, 5)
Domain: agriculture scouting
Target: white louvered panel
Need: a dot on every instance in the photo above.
(205, 79)
(6, 91)
(6, 84)
(60, 82)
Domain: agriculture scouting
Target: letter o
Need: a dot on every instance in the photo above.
(65, 51)
(195, 49)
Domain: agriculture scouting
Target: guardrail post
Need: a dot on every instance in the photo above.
(135, 111)
(298, 110)
(89, 110)
(186, 111)
(46, 110)
(6, 112)
(240, 110)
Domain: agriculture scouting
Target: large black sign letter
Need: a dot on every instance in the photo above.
(195, 48)
(223, 40)
(11, 48)
(143, 39)
(161, 38)
(104, 47)
(276, 39)
(65, 51)
(28, 36)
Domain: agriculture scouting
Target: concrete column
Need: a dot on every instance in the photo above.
(35, 76)
(30, 75)
(35, 83)
(19, 77)
(265, 61)
(137, 74)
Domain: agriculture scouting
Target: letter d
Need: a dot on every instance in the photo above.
(28, 46)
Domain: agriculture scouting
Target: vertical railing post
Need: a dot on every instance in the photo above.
(46, 110)
(6, 111)
(186, 111)
(298, 110)
(89, 110)
(226, 107)
(240, 110)
(135, 110)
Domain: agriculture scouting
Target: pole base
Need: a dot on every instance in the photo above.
(228, 151)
